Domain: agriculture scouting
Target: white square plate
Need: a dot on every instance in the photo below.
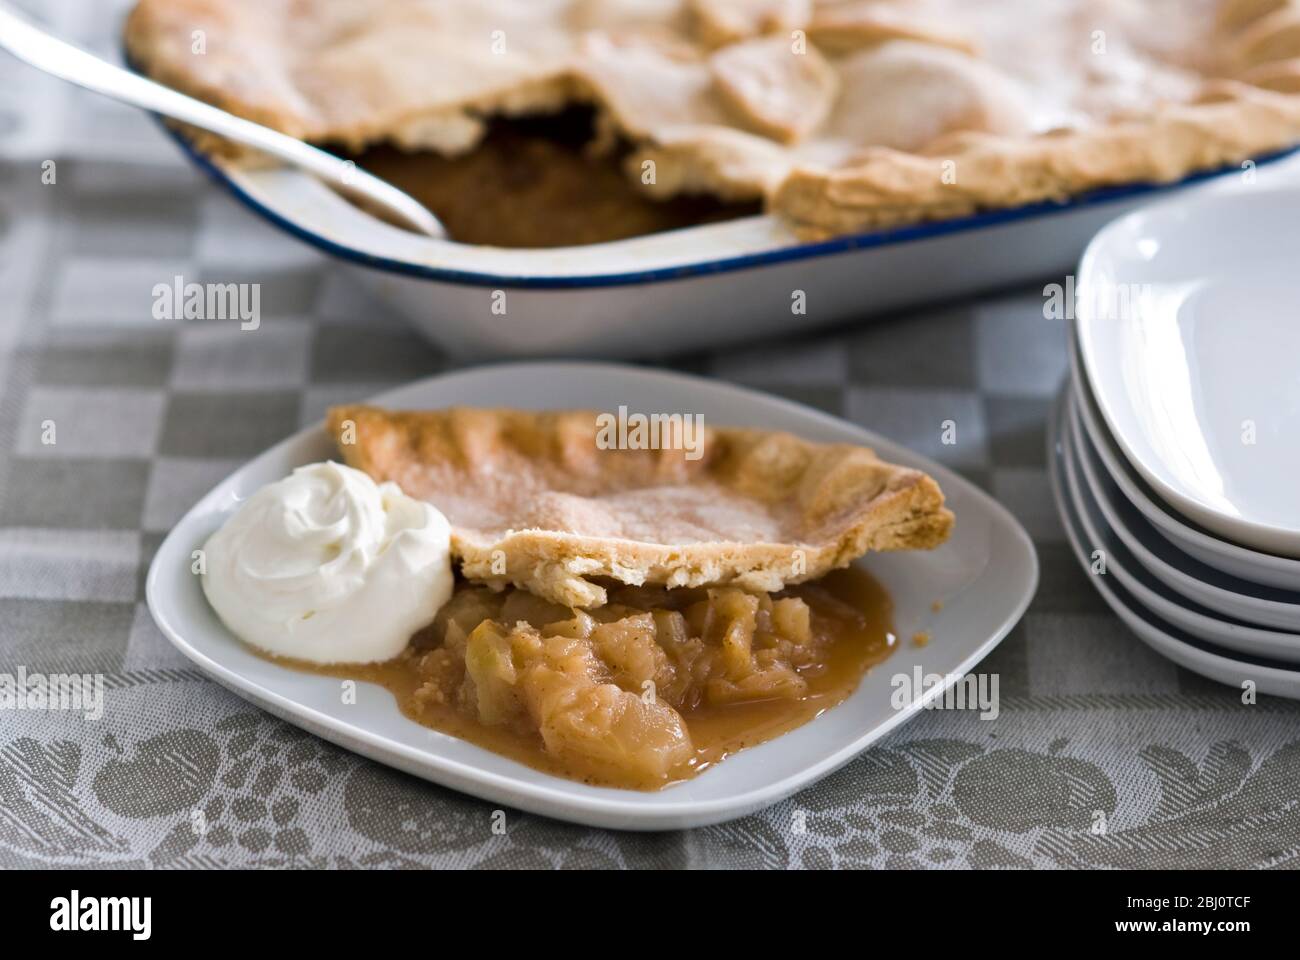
(984, 577)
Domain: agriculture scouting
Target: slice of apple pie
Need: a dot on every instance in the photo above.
(542, 500)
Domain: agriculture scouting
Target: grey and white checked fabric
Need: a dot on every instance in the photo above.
(1104, 754)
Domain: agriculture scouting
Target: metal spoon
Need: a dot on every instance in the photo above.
(42, 50)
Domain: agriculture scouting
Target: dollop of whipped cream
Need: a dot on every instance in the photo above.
(328, 566)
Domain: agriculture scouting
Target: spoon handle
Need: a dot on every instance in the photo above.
(35, 46)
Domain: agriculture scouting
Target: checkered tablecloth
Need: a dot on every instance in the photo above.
(1104, 753)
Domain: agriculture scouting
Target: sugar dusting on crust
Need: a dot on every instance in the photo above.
(759, 509)
(843, 116)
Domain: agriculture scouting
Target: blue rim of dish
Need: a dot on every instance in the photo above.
(860, 241)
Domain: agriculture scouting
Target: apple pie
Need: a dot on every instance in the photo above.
(629, 614)
(836, 115)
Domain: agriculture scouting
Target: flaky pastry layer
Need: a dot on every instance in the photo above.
(541, 501)
(843, 114)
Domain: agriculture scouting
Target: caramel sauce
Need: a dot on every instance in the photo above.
(850, 605)
(538, 183)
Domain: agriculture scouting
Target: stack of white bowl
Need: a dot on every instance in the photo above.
(1174, 449)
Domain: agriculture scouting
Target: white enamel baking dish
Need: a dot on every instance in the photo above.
(681, 290)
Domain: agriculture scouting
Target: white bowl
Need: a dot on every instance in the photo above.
(1205, 586)
(984, 576)
(1188, 329)
(1235, 670)
(1085, 487)
(1234, 560)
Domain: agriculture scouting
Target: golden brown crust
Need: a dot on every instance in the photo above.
(1282, 76)
(1244, 106)
(844, 115)
(772, 93)
(968, 173)
(720, 22)
(357, 74)
(164, 41)
(846, 27)
(535, 500)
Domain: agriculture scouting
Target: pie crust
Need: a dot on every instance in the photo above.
(841, 114)
(534, 501)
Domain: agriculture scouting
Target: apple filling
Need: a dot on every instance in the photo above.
(540, 182)
(650, 689)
